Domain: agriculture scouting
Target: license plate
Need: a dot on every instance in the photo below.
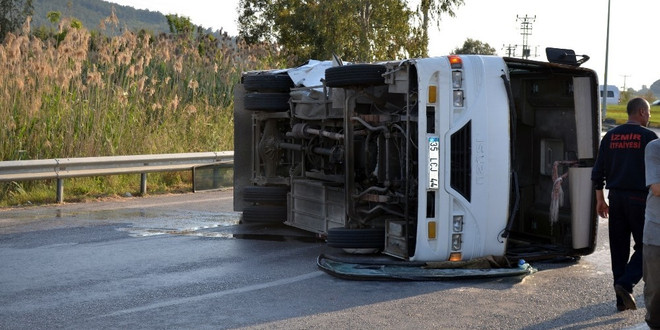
(434, 162)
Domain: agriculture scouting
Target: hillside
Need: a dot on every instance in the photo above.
(91, 12)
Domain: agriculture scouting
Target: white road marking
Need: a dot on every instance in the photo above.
(219, 294)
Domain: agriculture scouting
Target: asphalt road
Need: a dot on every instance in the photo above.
(184, 261)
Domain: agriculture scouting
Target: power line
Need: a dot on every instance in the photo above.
(526, 31)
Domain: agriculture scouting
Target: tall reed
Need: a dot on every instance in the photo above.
(82, 93)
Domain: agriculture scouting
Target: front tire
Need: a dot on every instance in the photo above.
(364, 238)
(355, 75)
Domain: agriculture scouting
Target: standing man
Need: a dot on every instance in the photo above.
(652, 237)
(620, 164)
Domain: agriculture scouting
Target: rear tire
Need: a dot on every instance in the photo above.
(279, 82)
(264, 214)
(268, 102)
(265, 195)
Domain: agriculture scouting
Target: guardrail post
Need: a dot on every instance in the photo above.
(193, 179)
(143, 184)
(60, 190)
(216, 177)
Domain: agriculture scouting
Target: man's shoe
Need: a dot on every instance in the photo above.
(626, 297)
(621, 308)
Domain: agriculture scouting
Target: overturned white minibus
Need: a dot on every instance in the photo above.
(433, 159)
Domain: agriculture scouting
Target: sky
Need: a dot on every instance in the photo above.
(582, 25)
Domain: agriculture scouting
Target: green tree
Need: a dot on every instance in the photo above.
(626, 96)
(471, 46)
(357, 30)
(180, 24)
(13, 14)
(76, 23)
(42, 32)
(54, 17)
(430, 10)
(253, 21)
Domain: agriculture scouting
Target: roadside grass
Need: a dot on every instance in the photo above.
(618, 114)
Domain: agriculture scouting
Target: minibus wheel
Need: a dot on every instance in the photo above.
(280, 82)
(355, 75)
(264, 214)
(265, 194)
(267, 102)
(363, 238)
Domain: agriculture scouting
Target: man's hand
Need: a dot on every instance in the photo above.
(603, 209)
(655, 189)
(601, 205)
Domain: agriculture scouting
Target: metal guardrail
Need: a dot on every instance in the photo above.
(61, 168)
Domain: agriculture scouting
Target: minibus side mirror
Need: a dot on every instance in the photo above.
(564, 56)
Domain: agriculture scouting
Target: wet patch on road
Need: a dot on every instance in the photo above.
(213, 225)
(187, 223)
(146, 222)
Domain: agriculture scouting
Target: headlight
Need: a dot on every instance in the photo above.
(457, 223)
(455, 242)
(458, 98)
(457, 79)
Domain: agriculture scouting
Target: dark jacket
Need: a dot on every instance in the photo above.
(620, 160)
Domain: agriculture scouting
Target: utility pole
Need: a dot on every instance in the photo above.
(510, 50)
(607, 53)
(625, 76)
(526, 31)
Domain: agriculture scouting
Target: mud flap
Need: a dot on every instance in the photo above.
(381, 269)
